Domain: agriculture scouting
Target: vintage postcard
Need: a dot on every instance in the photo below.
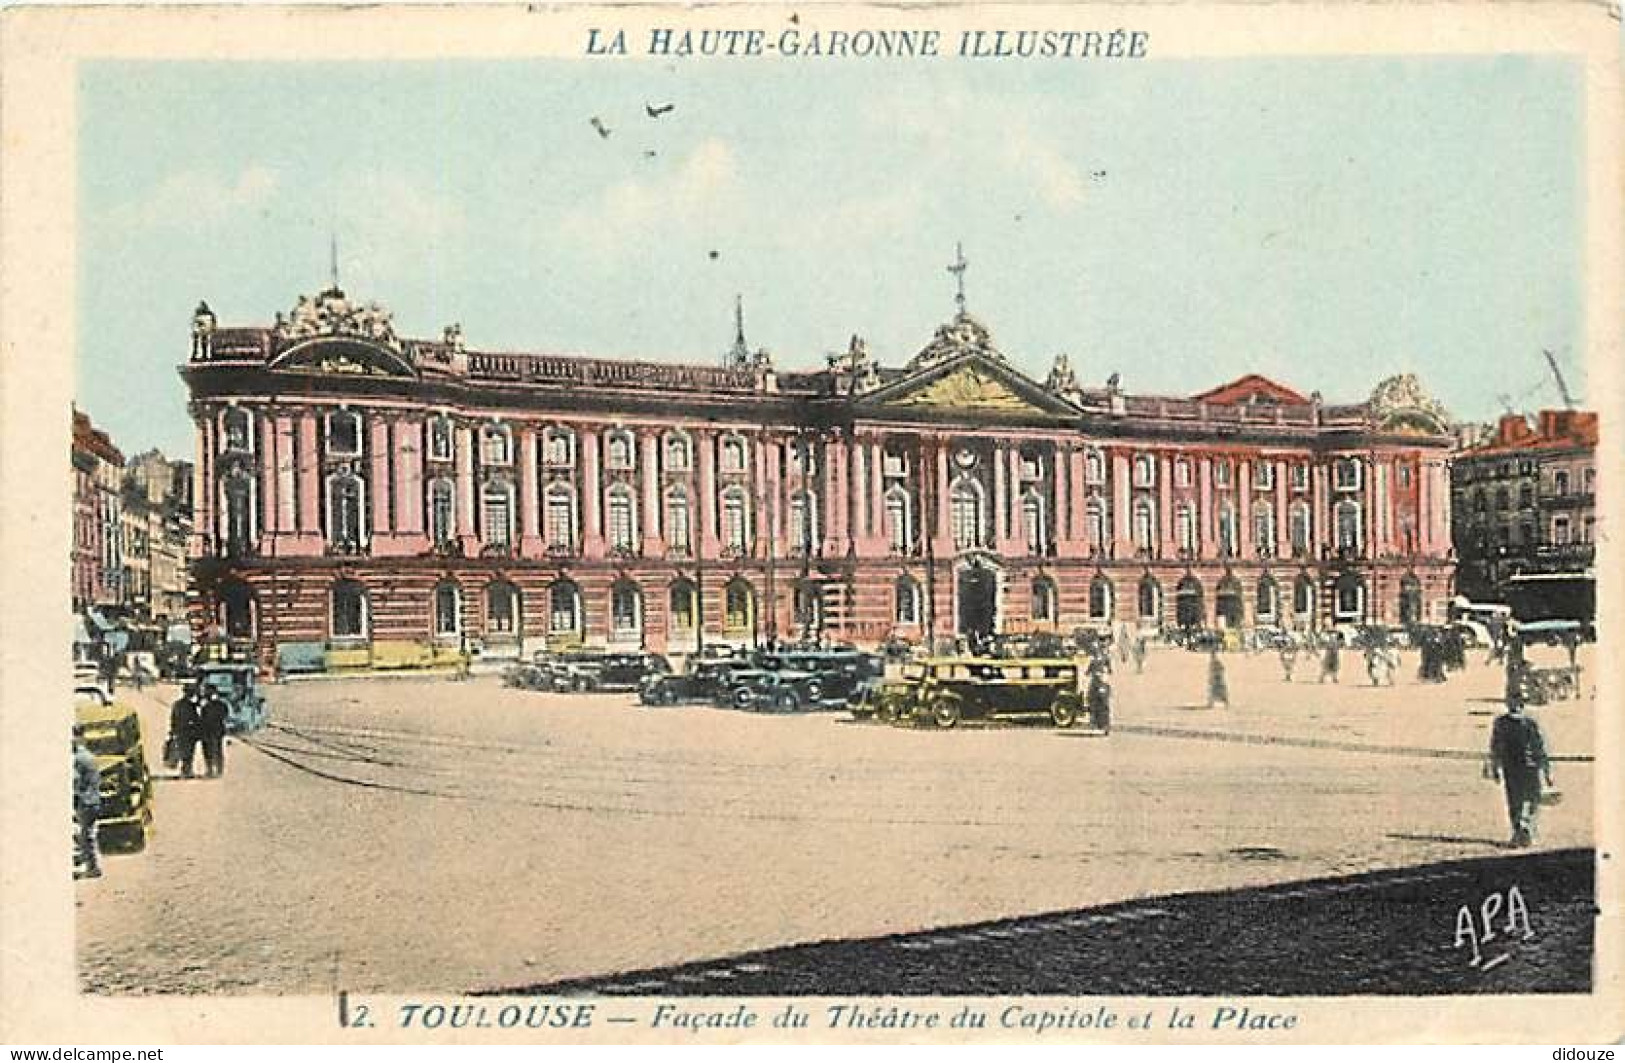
(811, 523)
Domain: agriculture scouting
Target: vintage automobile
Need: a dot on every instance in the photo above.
(238, 683)
(953, 689)
(887, 700)
(113, 735)
(781, 689)
(839, 676)
(705, 678)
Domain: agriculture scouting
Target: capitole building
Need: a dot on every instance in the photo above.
(365, 499)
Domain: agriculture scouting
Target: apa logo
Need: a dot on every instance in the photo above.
(1480, 932)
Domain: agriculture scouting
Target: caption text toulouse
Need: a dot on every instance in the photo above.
(876, 44)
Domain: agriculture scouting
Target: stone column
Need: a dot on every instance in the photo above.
(833, 499)
(649, 471)
(1079, 502)
(287, 477)
(381, 520)
(592, 525)
(265, 461)
(465, 490)
(1243, 486)
(1060, 524)
(310, 479)
(1000, 502)
(530, 493)
(1206, 517)
(707, 539)
(1283, 537)
(877, 496)
(773, 461)
(1122, 510)
(1167, 543)
(945, 529)
(1319, 512)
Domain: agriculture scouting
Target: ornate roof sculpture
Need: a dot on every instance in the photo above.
(1398, 404)
(331, 313)
(961, 336)
(1062, 381)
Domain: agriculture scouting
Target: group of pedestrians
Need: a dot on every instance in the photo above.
(197, 717)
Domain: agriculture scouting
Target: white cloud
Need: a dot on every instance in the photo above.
(1056, 180)
(191, 199)
(702, 182)
(387, 205)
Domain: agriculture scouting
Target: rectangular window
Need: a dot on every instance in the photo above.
(560, 520)
(1221, 474)
(1348, 474)
(498, 518)
(1182, 472)
(677, 535)
(1264, 475)
(1300, 476)
(344, 434)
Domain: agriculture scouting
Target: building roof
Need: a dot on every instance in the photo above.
(1252, 388)
(1552, 430)
(89, 439)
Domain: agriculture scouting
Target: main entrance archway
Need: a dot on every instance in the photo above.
(1228, 609)
(978, 602)
(1188, 603)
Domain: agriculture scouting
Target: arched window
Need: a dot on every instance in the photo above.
(1150, 599)
(347, 615)
(625, 609)
(1145, 528)
(441, 447)
(735, 520)
(1100, 598)
(1033, 523)
(966, 513)
(346, 508)
(1095, 516)
(681, 600)
(501, 608)
(1349, 597)
(1185, 526)
(738, 608)
(237, 610)
(620, 450)
(803, 523)
(1094, 467)
(496, 445)
(899, 520)
(733, 454)
(1348, 526)
(563, 608)
(558, 447)
(238, 427)
(239, 491)
(448, 609)
(496, 512)
(1303, 598)
(1043, 606)
(1265, 609)
(561, 517)
(1227, 530)
(442, 511)
(1298, 527)
(679, 451)
(344, 434)
(906, 601)
(621, 519)
(1264, 528)
(678, 514)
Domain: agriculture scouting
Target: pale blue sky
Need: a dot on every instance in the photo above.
(1325, 222)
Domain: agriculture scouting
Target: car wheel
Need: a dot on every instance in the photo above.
(788, 702)
(815, 691)
(1064, 711)
(886, 709)
(668, 696)
(945, 712)
(742, 698)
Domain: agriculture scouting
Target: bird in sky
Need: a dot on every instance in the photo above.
(650, 153)
(656, 112)
(598, 124)
(714, 255)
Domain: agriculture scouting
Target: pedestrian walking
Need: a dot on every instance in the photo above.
(1518, 760)
(1218, 691)
(1331, 661)
(180, 748)
(1099, 701)
(1139, 655)
(87, 806)
(212, 733)
(1289, 659)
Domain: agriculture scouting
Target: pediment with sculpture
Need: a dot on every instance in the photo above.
(331, 334)
(1400, 405)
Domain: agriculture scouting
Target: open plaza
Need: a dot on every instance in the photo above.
(435, 834)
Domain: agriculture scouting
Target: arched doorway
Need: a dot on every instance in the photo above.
(1303, 601)
(1410, 601)
(978, 602)
(1188, 603)
(1228, 605)
(237, 610)
(1150, 600)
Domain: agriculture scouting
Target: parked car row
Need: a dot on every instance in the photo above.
(771, 680)
(585, 671)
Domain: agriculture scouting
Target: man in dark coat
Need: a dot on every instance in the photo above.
(1218, 691)
(181, 747)
(1518, 759)
(212, 732)
(1332, 661)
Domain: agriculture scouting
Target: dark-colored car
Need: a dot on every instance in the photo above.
(584, 670)
(839, 677)
(703, 681)
(780, 689)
